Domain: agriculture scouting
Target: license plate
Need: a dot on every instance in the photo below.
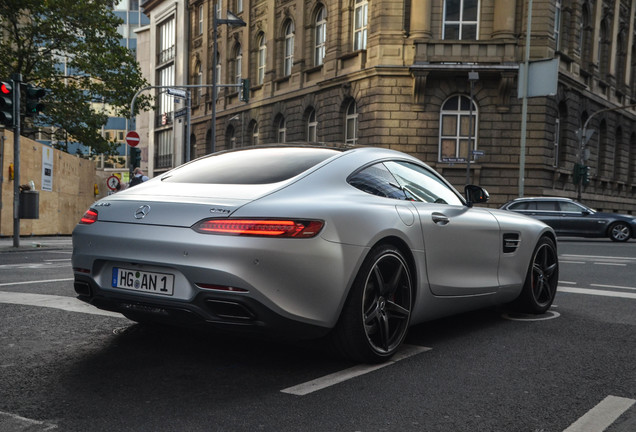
(137, 280)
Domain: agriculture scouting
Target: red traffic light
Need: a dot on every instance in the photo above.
(6, 88)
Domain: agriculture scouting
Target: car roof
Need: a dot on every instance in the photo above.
(542, 199)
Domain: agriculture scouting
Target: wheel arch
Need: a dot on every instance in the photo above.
(403, 247)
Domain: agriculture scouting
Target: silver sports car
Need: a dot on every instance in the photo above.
(304, 242)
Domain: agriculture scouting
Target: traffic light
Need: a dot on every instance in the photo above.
(586, 173)
(6, 104)
(33, 104)
(244, 93)
(135, 158)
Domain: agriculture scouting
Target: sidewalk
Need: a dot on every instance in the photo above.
(32, 242)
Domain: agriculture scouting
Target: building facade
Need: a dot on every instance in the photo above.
(438, 79)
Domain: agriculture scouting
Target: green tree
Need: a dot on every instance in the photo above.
(72, 49)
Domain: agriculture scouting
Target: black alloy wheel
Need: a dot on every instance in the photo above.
(541, 282)
(376, 317)
(620, 232)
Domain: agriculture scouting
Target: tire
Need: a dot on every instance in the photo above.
(377, 313)
(541, 282)
(619, 232)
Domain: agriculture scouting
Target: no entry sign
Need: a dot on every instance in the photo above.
(132, 138)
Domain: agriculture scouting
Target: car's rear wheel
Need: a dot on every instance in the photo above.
(376, 316)
(620, 232)
(541, 282)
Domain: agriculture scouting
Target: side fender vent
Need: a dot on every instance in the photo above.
(511, 242)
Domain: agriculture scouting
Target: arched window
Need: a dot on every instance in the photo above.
(602, 149)
(320, 36)
(288, 61)
(603, 51)
(560, 148)
(198, 78)
(557, 24)
(461, 19)
(312, 126)
(631, 173)
(231, 137)
(254, 137)
(238, 63)
(618, 153)
(360, 24)
(262, 58)
(351, 124)
(455, 130)
(281, 136)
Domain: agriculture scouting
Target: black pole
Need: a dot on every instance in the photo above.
(17, 80)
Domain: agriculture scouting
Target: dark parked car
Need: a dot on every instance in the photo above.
(571, 218)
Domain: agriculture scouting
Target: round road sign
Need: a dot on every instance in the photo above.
(132, 138)
(112, 182)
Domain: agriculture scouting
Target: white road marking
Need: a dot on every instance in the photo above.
(602, 415)
(566, 282)
(597, 292)
(35, 282)
(14, 422)
(571, 262)
(597, 257)
(70, 304)
(611, 264)
(613, 286)
(405, 351)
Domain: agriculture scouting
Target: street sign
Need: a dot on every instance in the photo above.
(132, 138)
(112, 182)
(176, 92)
(180, 113)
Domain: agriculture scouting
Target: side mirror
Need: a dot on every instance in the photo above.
(475, 194)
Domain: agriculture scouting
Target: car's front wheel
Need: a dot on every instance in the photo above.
(542, 279)
(620, 232)
(376, 316)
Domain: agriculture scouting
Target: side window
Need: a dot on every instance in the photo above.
(519, 206)
(570, 207)
(377, 180)
(547, 205)
(421, 184)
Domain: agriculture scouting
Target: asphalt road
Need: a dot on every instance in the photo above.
(66, 368)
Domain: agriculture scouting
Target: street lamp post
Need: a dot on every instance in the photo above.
(233, 21)
(472, 78)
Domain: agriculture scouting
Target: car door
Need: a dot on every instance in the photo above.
(462, 244)
(578, 220)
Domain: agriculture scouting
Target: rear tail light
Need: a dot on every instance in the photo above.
(260, 227)
(89, 217)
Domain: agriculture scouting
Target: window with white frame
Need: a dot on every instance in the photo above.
(200, 19)
(360, 23)
(461, 19)
(320, 36)
(262, 59)
(282, 130)
(255, 134)
(166, 78)
(312, 127)
(455, 128)
(166, 43)
(239, 6)
(351, 124)
(557, 24)
(198, 71)
(238, 63)
(289, 48)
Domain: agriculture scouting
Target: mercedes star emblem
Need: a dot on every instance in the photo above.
(142, 211)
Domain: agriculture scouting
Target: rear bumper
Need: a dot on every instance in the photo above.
(227, 313)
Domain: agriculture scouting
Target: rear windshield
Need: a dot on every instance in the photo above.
(252, 166)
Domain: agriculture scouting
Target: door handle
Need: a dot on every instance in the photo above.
(440, 219)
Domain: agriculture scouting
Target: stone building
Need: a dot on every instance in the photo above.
(401, 73)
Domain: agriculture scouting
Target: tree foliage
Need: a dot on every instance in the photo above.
(71, 48)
